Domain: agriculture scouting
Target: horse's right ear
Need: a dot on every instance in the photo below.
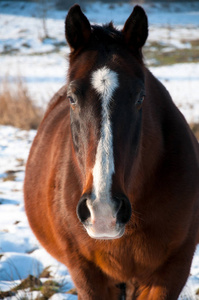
(77, 28)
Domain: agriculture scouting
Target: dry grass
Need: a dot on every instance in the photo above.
(30, 284)
(16, 107)
(9, 176)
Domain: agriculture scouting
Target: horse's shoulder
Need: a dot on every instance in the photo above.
(58, 97)
(57, 109)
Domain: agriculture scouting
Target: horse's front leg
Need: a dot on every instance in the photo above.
(168, 282)
(91, 283)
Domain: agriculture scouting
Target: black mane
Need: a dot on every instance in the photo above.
(107, 32)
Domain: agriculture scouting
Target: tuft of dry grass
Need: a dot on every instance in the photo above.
(9, 176)
(31, 282)
(72, 291)
(45, 273)
(16, 107)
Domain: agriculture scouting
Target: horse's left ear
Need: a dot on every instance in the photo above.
(77, 28)
(136, 29)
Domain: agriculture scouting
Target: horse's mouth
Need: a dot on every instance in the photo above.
(104, 233)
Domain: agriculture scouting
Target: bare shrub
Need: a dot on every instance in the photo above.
(16, 107)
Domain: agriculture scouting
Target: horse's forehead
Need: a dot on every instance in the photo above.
(105, 81)
(82, 65)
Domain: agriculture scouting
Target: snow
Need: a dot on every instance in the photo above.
(183, 86)
(21, 253)
(43, 67)
(11, 266)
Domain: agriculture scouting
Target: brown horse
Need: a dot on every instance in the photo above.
(111, 186)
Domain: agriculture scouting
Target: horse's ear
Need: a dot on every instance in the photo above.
(77, 28)
(136, 29)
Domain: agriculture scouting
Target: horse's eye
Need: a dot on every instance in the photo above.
(139, 102)
(72, 100)
(142, 98)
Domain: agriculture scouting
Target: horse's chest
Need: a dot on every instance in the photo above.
(125, 260)
(120, 266)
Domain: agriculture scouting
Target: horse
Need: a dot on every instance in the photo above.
(111, 186)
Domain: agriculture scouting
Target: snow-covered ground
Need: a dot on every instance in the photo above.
(20, 252)
(42, 64)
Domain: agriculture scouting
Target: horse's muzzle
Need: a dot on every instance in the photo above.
(104, 219)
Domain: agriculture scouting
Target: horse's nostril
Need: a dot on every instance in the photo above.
(83, 212)
(123, 209)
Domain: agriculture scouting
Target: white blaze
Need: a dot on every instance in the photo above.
(104, 82)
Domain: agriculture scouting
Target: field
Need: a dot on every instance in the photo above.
(33, 56)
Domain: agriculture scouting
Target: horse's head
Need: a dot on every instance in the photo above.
(105, 91)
